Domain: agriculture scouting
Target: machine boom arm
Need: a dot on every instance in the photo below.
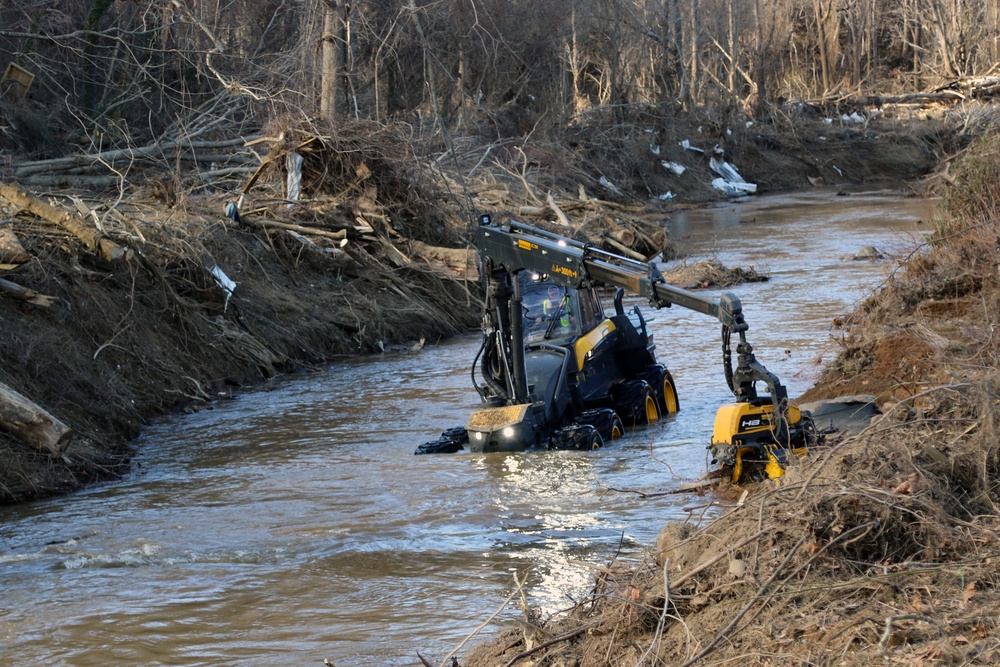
(518, 247)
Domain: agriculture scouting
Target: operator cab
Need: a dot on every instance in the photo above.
(557, 314)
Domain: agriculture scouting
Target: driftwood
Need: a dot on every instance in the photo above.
(93, 239)
(25, 294)
(31, 424)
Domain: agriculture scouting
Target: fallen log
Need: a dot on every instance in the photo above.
(26, 294)
(560, 216)
(164, 151)
(623, 249)
(455, 262)
(93, 239)
(31, 424)
(11, 250)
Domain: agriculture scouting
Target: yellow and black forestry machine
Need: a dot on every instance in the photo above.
(556, 372)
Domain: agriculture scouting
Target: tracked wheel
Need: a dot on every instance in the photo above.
(662, 382)
(578, 436)
(452, 440)
(635, 402)
(605, 420)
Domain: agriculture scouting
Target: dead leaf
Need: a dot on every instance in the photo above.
(916, 605)
(969, 593)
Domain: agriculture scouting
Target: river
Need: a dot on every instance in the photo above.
(294, 524)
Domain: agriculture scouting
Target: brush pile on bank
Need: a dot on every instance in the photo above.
(118, 308)
(881, 548)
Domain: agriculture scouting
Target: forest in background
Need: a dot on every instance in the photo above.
(99, 75)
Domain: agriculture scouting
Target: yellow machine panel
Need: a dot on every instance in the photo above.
(589, 341)
(736, 420)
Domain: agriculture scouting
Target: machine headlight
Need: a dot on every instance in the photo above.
(477, 435)
(508, 432)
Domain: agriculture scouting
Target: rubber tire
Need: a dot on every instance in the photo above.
(659, 378)
(605, 420)
(635, 402)
(452, 440)
(577, 436)
(457, 434)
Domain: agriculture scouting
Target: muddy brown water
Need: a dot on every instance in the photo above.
(294, 524)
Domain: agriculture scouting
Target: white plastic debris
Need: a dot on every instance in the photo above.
(719, 150)
(686, 145)
(729, 180)
(654, 149)
(227, 285)
(828, 121)
(608, 185)
(853, 118)
(674, 167)
(734, 189)
(293, 185)
(666, 196)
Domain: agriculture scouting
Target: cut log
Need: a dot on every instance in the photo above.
(625, 250)
(560, 216)
(25, 294)
(31, 424)
(456, 262)
(11, 250)
(533, 211)
(93, 239)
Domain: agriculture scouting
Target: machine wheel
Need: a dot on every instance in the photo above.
(635, 402)
(605, 420)
(578, 436)
(658, 377)
(456, 434)
(452, 440)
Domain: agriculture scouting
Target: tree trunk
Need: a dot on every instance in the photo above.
(31, 424)
(330, 59)
(428, 65)
(828, 38)
(693, 47)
